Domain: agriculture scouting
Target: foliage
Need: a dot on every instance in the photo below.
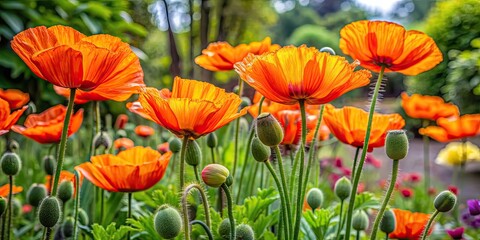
(318, 222)
(315, 36)
(111, 232)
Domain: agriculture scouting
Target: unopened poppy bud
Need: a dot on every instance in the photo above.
(168, 222)
(175, 145)
(3, 205)
(13, 146)
(269, 130)
(121, 133)
(17, 207)
(224, 229)
(245, 102)
(212, 140)
(193, 154)
(49, 212)
(49, 164)
(102, 139)
(214, 175)
(36, 193)
(65, 191)
(445, 201)
(315, 198)
(83, 217)
(244, 232)
(236, 89)
(342, 189)
(328, 50)
(260, 152)
(11, 163)
(360, 221)
(396, 144)
(387, 225)
(67, 227)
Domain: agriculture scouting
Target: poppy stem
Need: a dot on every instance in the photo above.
(206, 206)
(283, 209)
(426, 157)
(230, 211)
(9, 209)
(340, 224)
(358, 170)
(63, 142)
(429, 224)
(244, 167)
(237, 130)
(212, 151)
(278, 154)
(98, 122)
(195, 169)
(129, 213)
(293, 175)
(186, 227)
(391, 187)
(354, 167)
(205, 227)
(77, 205)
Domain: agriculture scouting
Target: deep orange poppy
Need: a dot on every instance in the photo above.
(380, 43)
(409, 225)
(7, 119)
(135, 169)
(64, 176)
(69, 59)
(192, 109)
(348, 125)
(15, 98)
(5, 189)
(291, 122)
(428, 107)
(144, 131)
(292, 74)
(449, 129)
(47, 126)
(123, 143)
(221, 56)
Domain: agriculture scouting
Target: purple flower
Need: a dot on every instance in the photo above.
(456, 233)
(474, 207)
(471, 221)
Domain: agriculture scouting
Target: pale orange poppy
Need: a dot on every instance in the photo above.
(348, 125)
(454, 128)
(7, 119)
(123, 143)
(409, 225)
(69, 59)
(193, 108)
(379, 44)
(144, 131)
(47, 126)
(5, 189)
(132, 170)
(428, 107)
(292, 74)
(15, 98)
(221, 56)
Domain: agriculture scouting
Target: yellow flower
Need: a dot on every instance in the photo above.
(456, 153)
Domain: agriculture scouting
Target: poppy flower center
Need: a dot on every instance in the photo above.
(296, 91)
(383, 61)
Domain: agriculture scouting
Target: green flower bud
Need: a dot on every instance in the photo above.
(445, 201)
(82, 217)
(214, 175)
(396, 144)
(244, 232)
(193, 154)
(65, 191)
(102, 139)
(212, 140)
(236, 89)
(67, 227)
(360, 221)
(3, 206)
(121, 133)
(245, 102)
(36, 193)
(343, 187)
(11, 164)
(168, 222)
(269, 130)
(13, 146)
(49, 211)
(49, 164)
(224, 229)
(260, 152)
(387, 225)
(175, 145)
(315, 198)
(328, 50)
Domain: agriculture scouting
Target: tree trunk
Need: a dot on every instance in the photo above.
(175, 69)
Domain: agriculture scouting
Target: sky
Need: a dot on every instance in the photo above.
(383, 6)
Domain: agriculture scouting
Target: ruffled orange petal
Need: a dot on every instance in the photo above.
(15, 98)
(428, 107)
(5, 189)
(125, 143)
(93, 174)
(7, 119)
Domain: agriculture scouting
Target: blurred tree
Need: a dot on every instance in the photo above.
(315, 36)
(412, 10)
(291, 20)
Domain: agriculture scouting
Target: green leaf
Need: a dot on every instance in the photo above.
(112, 233)
(92, 25)
(366, 200)
(13, 21)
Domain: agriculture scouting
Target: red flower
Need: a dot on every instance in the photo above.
(407, 192)
(453, 189)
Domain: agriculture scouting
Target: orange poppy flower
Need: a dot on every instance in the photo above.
(380, 43)
(135, 169)
(409, 225)
(221, 56)
(69, 59)
(123, 143)
(15, 98)
(122, 120)
(163, 148)
(291, 122)
(292, 74)
(5, 189)
(144, 131)
(450, 129)
(348, 125)
(428, 107)
(7, 119)
(64, 176)
(192, 109)
(47, 126)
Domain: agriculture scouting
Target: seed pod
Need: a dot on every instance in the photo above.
(244, 232)
(212, 140)
(168, 222)
(102, 139)
(49, 212)
(445, 201)
(82, 217)
(315, 198)
(224, 229)
(175, 145)
(343, 187)
(67, 227)
(193, 154)
(387, 225)
(269, 130)
(260, 152)
(396, 144)
(65, 191)
(245, 102)
(360, 221)
(49, 164)
(36, 193)
(11, 164)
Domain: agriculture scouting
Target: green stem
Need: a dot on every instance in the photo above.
(237, 130)
(195, 169)
(283, 179)
(98, 121)
(206, 206)
(354, 166)
(391, 186)
(252, 178)
(300, 192)
(244, 167)
(77, 205)
(339, 228)
(282, 199)
(429, 224)
(182, 163)
(358, 235)
(204, 226)
(102, 204)
(426, 157)
(129, 213)
(293, 174)
(358, 170)
(10, 210)
(230, 211)
(212, 151)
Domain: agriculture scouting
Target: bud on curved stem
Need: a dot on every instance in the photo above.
(230, 211)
